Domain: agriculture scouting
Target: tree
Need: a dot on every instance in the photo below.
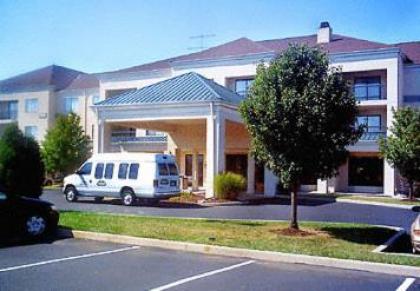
(301, 116)
(402, 148)
(65, 146)
(21, 166)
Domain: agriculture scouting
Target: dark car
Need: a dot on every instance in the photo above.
(27, 218)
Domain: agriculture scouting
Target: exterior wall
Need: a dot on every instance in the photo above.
(84, 110)
(42, 119)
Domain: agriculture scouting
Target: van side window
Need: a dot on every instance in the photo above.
(86, 169)
(173, 171)
(99, 171)
(109, 169)
(122, 171)
(163, 170)
(134, 171)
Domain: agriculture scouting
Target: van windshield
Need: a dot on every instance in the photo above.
(173, 171)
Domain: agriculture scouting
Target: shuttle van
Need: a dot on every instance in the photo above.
(125, 175)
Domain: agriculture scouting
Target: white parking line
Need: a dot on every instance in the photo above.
(68, 259)
(199, 276)
(406, 284)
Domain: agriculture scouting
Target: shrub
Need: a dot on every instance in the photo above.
(21, 167)
(229, 185)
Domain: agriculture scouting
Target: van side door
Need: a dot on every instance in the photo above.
(98, 181)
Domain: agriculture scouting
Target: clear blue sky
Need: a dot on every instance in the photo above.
(96, 36)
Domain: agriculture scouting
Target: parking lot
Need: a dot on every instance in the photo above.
(70, 264)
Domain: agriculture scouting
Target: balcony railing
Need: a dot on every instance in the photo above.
(130, 137)
(369, 92)
(373, 133)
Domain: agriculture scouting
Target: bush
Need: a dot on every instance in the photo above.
(229, 185)
(21, 166)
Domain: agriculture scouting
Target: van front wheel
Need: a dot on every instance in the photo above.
(128, 197)
(71, 194)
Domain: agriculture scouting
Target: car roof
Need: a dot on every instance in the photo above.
(143, 157)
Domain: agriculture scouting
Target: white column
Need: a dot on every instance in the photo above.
(99, 144)
(215, 150)
(210, 156)
(389, 179)
(393, 95)
(270, 183)
(321, 186)
(251, 175)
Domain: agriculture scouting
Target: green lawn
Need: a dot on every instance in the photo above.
(336, 240)
(387, 200)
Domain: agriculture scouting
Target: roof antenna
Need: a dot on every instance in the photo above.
(201, 38)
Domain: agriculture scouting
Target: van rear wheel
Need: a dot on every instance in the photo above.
(128, 197)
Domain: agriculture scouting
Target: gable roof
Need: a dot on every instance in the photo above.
(56, 76)
(189, 87)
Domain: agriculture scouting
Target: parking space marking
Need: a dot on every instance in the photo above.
(14, 268)
(406, 284)
(199, 276)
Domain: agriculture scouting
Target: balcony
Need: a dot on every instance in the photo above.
(125, 137)
(8, 110)
(373, 133)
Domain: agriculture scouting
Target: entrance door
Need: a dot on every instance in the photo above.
(237, 164)
(200, 170)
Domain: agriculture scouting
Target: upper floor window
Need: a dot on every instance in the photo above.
(71, 104)
(31, 105)
(372, 123)
(95, 99)
(31, 131)
(8, 109)
(367, 88)
(153, 133)
(242, 86)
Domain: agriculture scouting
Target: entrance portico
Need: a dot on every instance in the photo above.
(200, 117)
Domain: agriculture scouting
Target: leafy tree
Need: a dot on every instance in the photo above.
(21, 166)
(65, 146)
(301, 116)
(402, 148)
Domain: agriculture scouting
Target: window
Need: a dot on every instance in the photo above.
(8, 110)
(109, 169)
(173, 171)
(153, 133)
(372, 122)
(366, 171)
(31, 131)
(163, 170)
(242, 86)
(99, 171)
(86, 169)
(134, 170)
(188, 165)
(122, 171)
(367, 88)
(31, 105)
(95, 99)
(71, 104)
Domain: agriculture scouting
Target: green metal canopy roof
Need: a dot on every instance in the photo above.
(186, 88)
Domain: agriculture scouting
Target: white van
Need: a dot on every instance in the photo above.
(124, 175)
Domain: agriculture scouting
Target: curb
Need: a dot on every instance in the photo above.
(270, 256)
(407, 207)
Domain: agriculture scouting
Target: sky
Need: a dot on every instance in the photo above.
(97, 36)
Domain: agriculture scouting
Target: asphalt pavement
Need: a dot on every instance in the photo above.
(71, 264)
(308, 210)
